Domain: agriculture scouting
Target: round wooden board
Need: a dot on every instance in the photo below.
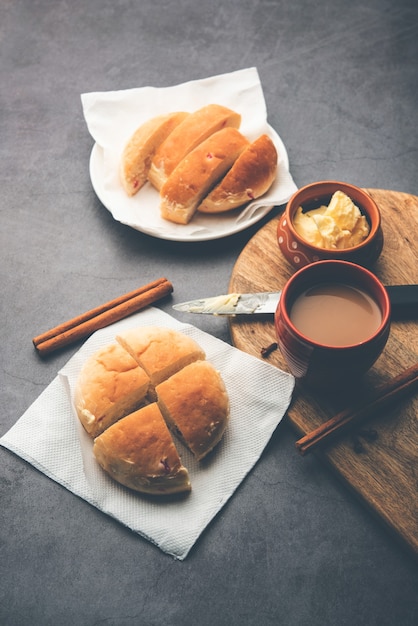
(383, 475)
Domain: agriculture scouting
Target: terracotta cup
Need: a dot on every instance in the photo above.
(327, 366)
(299, 252)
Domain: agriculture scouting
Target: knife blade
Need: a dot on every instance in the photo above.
(404, 301)
(232, 304)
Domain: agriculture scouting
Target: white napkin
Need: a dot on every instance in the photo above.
(113, 116)
(50, 437)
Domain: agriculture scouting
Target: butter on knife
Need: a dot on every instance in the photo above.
(232, 304)
(404, 301)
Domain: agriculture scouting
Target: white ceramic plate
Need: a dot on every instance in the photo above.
(141, 211)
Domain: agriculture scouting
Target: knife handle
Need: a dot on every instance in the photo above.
(404, 301)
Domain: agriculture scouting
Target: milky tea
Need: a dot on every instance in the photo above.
(335, 314)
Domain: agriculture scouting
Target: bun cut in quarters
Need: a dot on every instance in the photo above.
(249, 178)
(139, 453)
(198, 172)
(195, 405)
(160, 351)
(197, 127)
(140, 149)
(110, 385)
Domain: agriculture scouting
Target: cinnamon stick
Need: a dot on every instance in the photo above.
(101, 316)
(402, 384)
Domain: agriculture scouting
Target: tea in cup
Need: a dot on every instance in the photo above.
(332, 323)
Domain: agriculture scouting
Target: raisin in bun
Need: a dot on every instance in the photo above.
(250, 177)
(195, 405)
(197, 127)
(110, 385)
(141, 147)
(138, 452)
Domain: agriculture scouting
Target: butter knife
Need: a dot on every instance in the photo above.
(404, 301)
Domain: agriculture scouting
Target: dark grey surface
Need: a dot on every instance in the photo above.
(293, 546)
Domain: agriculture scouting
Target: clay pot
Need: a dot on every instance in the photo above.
(299, 252)
(326, 366)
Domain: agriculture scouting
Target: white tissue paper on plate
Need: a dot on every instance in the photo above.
(113, 116)
(51, 438)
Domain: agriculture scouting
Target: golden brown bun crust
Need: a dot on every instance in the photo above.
(160, 351)
(195, 405)
(197, 127)
(138, 452)
(249, 178)
(133, 445)
(140, 149)
(110, 385)
(198, 172)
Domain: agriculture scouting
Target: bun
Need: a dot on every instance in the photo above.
(197, 127)
(161, 352)
(140, 149)
(198, 172)
(250, 177)
(138, 452)
(116, 401)
(195, 405)
(198, 162)
(110, 385)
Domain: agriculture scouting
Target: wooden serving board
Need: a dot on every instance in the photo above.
(385, 474)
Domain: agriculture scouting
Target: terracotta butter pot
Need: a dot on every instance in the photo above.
(299, 252)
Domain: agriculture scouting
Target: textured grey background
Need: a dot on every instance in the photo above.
(293, 546)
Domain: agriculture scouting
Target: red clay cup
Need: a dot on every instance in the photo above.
(299, 252)
(327, 366)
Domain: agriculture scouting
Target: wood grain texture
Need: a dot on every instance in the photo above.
(385, 474)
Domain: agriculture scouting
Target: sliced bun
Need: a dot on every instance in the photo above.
(197, 127)
(140, 149)
(195, 405)
(138, 452)
(250, 177)
(198, 172)
(161, 352)
(110, 385)
(116, 401)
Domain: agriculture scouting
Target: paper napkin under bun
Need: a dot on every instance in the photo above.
(48, 437)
